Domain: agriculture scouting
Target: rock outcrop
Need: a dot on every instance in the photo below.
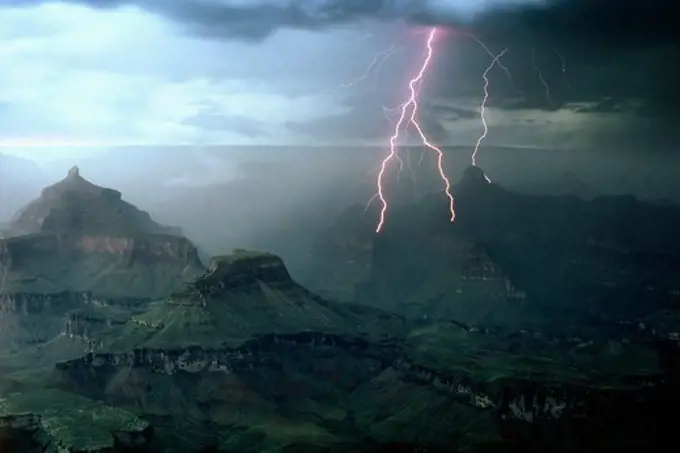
(450, 385)
(240, 297)
(243, 317)
(78, 249)
(258, 362)
(74, 204)
(518, 387)
(81, 237)
(144, 266)
(51, 420)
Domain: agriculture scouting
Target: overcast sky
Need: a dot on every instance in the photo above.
(106, 72)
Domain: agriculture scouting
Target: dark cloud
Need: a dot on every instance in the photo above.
(618, 22)
(610, 48)
(603, 54)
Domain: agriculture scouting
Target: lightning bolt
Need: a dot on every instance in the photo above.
(412, 103)
(370, 202)
(374, 68)
(548, 96)
(498, 63)
(482, 107)
(389, 113)
(563, 63)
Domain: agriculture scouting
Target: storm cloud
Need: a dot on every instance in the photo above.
(278, 70)
(617, 22)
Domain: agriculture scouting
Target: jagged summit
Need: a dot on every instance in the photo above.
(74, 184)
(473, 187)
(75, 204)
(474, 175)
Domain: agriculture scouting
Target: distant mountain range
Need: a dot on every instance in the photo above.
(611, 256)
(278, 198)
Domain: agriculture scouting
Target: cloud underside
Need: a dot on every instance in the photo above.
(617, 22)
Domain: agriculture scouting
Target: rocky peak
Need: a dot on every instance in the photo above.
(75, 185)
(75, 205)
(74, 172)
(473, 176)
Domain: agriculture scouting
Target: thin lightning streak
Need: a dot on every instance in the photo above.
(388, 112)
(422, 158)
(482, 107)
(440, 160)
(374, 68)
(498, 63)
(410, 167)
(563, 62)
(540, 77)
(370, 202)
(401, 165)
(413, 103)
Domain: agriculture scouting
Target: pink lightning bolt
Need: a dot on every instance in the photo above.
(482, 108)
(413, 103)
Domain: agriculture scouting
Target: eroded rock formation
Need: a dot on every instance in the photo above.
(244, 348)
(78, 236)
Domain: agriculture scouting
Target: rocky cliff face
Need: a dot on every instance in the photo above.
(28, 319)
(95, 369)
(466, 394)
(244, 358)
(41, 329)
(32, 303)
(107, 266)
(539, 391)
(88, 325)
